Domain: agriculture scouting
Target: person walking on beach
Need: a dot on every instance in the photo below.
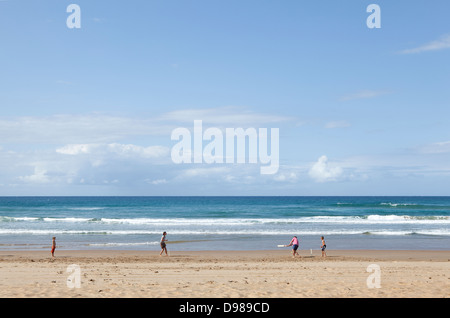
(323, 247)
(163, 244)
(53, 246)
(294, 244)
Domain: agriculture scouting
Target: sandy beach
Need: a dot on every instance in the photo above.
(228, 274)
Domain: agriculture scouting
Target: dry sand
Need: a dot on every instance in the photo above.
(228, 274)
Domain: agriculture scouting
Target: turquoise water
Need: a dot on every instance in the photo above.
(224, 223)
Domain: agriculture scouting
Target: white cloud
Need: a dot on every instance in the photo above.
(123, 150)
(337, 124)
(77, 129)
(157, 181)
(134, 150)
(74, 128)
(364, 94)
(88, 164)
(223, 116)
(322, 171)
(105, 128)
(286, 177)
(440, 44)
(437, 147)
(39, 176)
(204, 172)
(76, 149)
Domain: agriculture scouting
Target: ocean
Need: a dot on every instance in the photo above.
(224, 223)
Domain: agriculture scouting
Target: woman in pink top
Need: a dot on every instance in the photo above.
(294, 244)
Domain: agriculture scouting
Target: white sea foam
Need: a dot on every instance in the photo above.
(18, 219)
(86, 208)
(370, 219)
(212, 231)
(437, 232)
(66, 219)
(398, 204)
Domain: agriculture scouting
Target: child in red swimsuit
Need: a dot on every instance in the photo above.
(53, 246)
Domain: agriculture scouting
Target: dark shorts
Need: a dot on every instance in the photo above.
(295, 247)
(324, 247)
(163, 245)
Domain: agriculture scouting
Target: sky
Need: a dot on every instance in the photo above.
(90, 110)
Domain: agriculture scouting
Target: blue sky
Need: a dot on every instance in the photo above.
(90, 111)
